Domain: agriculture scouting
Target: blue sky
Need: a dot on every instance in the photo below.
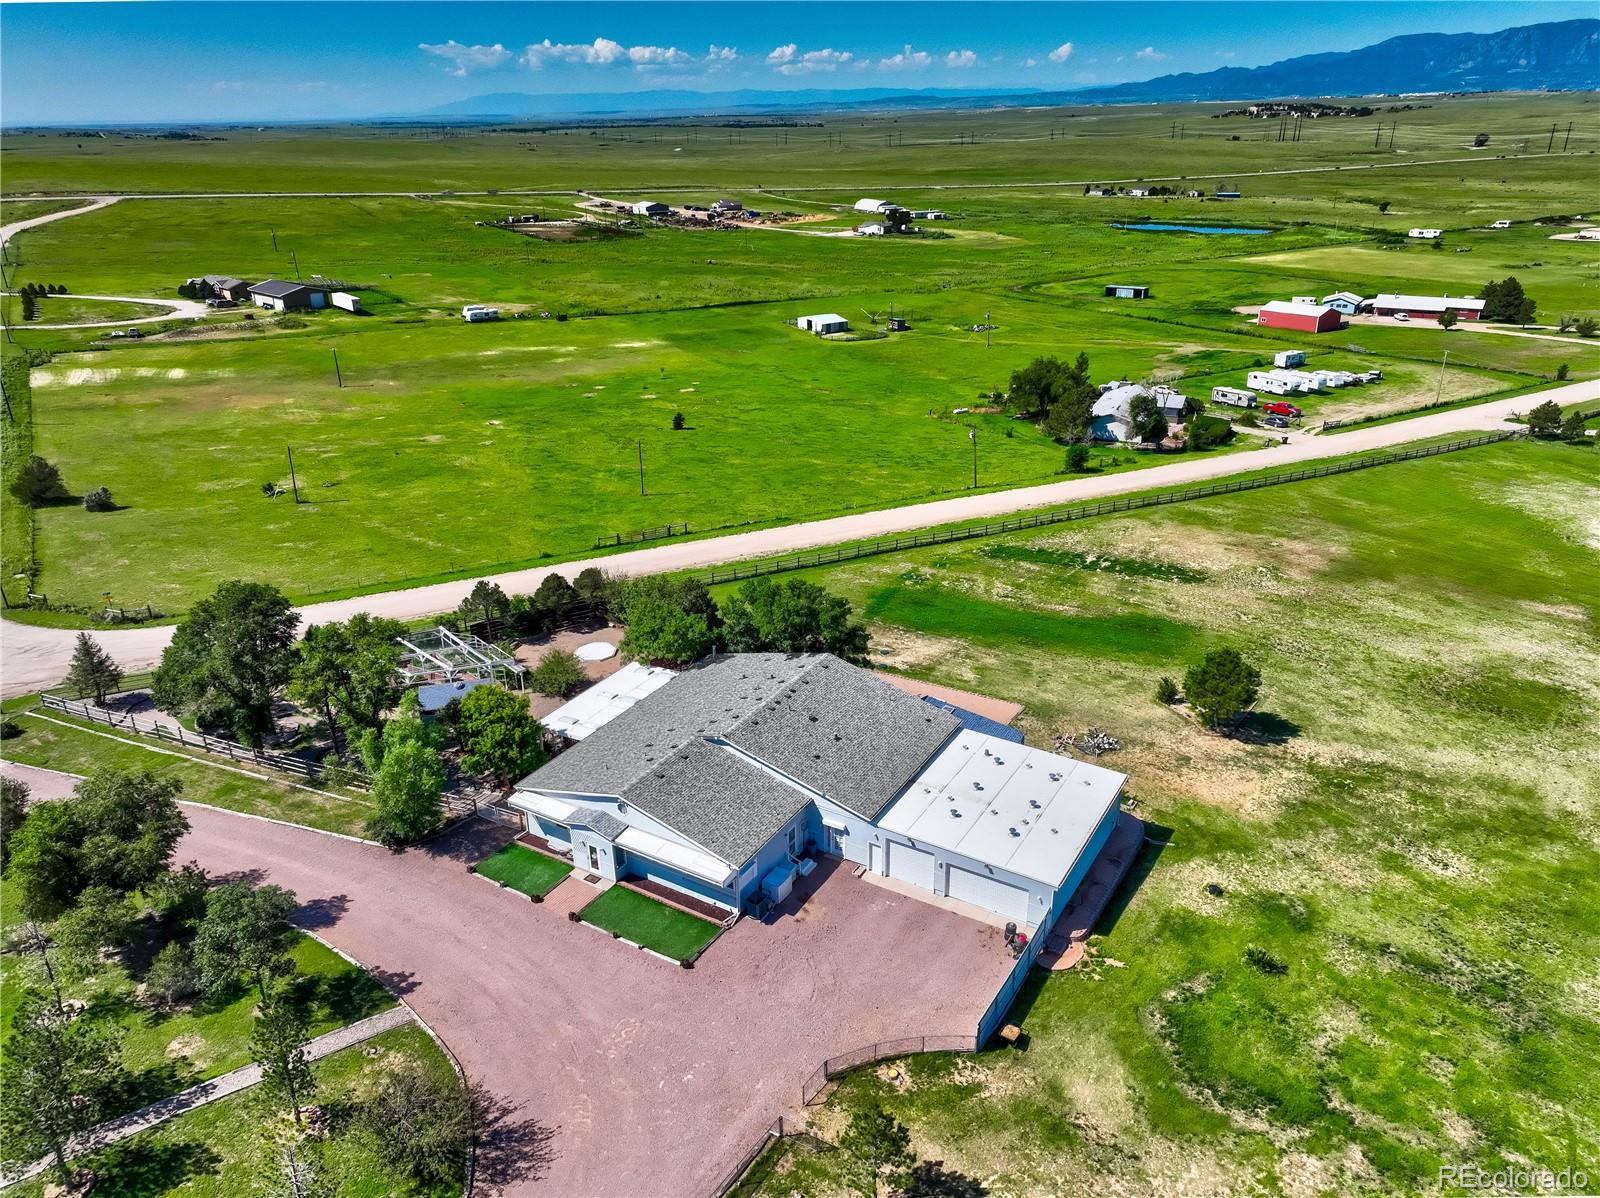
(165, 60)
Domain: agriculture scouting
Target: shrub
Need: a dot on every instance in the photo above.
(38, 483)
(418, 1121)
(1206, 432)
(1545, 420)
(558, 674)
(1167, 691)
(99, 500)
(677, 422)
(1220, 686)
(1077, 457)
(1261, 960)
(173, 975)
(1562, 372)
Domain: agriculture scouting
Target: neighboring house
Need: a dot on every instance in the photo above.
(872, 228)
(1138, 191)
(1170, 400)
(1226, 194)
(1109, 419)
(221, 287)
(823, 323)
(1427, 306)
(726, 208)
(1303, 318)
(654, 209)
(929, 214)
(1425, 234)
(279, 295)
(723, 780)
(1127, 291)
(1347, 303)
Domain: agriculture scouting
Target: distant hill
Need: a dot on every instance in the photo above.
(1561, 55)
(1555, 55)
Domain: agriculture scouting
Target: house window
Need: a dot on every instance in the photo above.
(794, 840)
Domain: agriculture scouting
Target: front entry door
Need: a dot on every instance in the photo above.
(594, 860)
(836, 842)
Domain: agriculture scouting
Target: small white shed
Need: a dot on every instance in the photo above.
(823, 323)
(346, 301)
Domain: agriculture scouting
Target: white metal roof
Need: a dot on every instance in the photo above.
(679, 856)
(826, 318)
(606, 700)
(538, 804)
(1424, 303)
(1294, 309)
(1014, 807)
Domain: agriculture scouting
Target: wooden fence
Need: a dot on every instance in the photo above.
(285, 763)
(943, 536)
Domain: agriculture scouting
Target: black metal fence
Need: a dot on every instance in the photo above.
(774, 1132)
(885, 1050)
(285, 763)
(823, 557)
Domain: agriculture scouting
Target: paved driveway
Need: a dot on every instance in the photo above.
(617, 1073)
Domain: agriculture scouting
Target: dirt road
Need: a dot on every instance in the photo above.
(32, 658)
(176, 309)
(7, 232)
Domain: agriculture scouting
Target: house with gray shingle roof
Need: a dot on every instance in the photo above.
(724, 781)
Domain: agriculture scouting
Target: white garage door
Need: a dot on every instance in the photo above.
(911, 865)
(989, 893)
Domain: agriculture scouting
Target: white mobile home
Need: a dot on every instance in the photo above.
(478, 313)
(1274, 382)
(1289, 357)
(1426, 234)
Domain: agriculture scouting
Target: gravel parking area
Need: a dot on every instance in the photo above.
(616, 1073)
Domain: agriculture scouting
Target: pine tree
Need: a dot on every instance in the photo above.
(278, 1044)
(93, 672)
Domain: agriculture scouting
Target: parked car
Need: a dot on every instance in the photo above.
(216, 301)
(1278, 408)
(1402, 318)
(1276, 422)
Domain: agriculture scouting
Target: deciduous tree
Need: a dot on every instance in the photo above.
(347, 672)
(245, 932)
(419, 1120)
(13, 811)
(229, 659)
(499, 733)
(485, 602)
(670, 620)
(558, 674)
(878, 1147)
(407, 777)
(794, 616)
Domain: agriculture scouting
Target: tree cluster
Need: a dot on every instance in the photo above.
(408, 776)
(346, 671)
(1061, 396)
(1506, 302)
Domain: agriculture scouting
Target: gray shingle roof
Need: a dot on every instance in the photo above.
(829, 725)
(845, 734)
(717, 799)
(602, 822)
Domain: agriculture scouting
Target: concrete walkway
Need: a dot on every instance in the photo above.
(218, 1087)
(36, 658)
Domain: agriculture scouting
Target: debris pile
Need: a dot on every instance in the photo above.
(1094, 742)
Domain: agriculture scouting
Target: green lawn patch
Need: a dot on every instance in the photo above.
(643, 920)
(218, 1151)
(521, 868)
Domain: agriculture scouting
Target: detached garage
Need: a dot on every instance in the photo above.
(991, 893)
(1302, 317)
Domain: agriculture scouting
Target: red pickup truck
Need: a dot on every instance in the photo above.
(1278, 408)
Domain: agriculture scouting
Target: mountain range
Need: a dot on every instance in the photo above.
(1556, 55)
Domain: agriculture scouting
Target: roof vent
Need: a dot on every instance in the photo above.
(812, 718)
(1013, 831)
(1055, 777)
(954, 814)
(977, 786)
(999, 760)
(986, 752)
(1034, 803)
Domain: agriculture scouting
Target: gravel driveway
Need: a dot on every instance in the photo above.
(616, 1073)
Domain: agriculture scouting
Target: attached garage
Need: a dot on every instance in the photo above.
(911, 865)
(989, 893)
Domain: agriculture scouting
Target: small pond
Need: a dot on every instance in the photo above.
(1148, 227)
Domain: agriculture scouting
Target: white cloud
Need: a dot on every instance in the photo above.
(716, 53)
(467, 59)
(907, 59)
(1225, 54)
(790, 60)
(602, 52)
(1150, 52)
(1030, 62)
(1061, 53)
(960, 58)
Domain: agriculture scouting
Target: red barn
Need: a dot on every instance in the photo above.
(1303, 318)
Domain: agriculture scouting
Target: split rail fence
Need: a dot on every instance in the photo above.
(944, 536)
(285, 763)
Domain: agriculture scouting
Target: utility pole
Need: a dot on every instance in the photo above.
(1551, 144)
(1567, 138)
(988, 337)
(1392, 128)
(296, 258)
(1438, 392)
(294, 482)
(640, 444)
(1377, 137)
(337, 373)
(973, 434)
(274, 233)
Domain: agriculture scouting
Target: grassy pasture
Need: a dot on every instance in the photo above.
(1399, 971)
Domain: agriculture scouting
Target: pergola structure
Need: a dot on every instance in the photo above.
(439, 655)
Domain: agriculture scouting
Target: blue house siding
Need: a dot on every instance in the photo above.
(636, 866)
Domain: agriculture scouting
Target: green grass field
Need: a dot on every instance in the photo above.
(524, 870)
(1407, 832)
(220, 1150)
(452, 450)
(656, 926)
